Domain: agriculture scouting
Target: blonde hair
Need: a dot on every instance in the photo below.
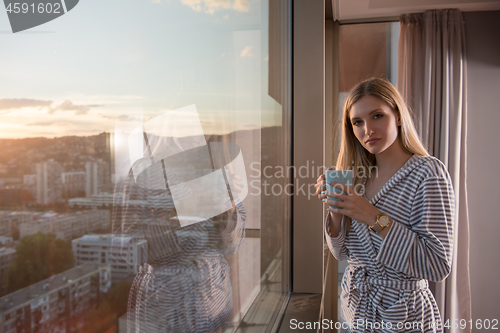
(352, 155)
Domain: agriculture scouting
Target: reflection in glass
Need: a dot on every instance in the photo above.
(185, 200)
(86, 116)
(365, 50)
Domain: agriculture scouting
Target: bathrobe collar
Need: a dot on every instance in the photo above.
(401, 174)
(361, 229)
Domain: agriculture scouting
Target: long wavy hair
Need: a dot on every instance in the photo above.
(352, 155)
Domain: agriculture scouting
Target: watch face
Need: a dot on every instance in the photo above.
(384, 220)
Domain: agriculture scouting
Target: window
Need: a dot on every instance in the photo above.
(365, 50)
(94, 98)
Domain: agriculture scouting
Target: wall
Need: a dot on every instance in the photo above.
(483, 159)
(308, 142)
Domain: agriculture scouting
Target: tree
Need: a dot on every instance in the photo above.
(106, 313)
(39, 256)
(118, 296)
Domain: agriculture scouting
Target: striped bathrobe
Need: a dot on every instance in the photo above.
(185, 285)
(385, 286)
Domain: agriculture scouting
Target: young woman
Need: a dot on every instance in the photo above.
(395, 225)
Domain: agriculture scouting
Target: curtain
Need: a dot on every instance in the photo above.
(432, 78)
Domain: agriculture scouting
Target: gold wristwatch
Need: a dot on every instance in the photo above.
(383, 221)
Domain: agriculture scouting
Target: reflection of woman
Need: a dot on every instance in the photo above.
(398, 235)
(185, 285)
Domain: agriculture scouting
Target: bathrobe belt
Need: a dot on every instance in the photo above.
(371, 290)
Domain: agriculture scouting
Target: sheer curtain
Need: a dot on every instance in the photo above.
(432, 78)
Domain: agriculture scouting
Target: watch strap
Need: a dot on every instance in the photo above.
(375, 228)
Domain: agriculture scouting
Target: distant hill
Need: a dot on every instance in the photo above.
(21, 155)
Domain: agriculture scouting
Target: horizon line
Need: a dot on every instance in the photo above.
(65, 136)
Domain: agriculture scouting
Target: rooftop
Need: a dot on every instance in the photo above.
(118, 199)
(106, 238)
(109, 239)
(6, 250)
(7, 212)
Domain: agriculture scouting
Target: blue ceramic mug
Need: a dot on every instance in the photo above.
(341, 176)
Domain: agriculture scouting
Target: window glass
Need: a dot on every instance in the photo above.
(134, 135)
(365, 50)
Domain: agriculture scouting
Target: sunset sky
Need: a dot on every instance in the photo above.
(110, 65)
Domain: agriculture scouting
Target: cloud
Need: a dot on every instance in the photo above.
(48, 123)
(211, 6)
(247, 52)
(70, 126)
(122, 117)
(68, 105)
(19, 103)
(194, 4)
(241, 5)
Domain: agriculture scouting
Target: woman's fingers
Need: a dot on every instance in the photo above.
(341, 211)
(320, 186)
(319, 189)
(338, 195)
(323, 194)
(332, 202)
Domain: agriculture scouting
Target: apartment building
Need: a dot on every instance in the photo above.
(29, 185)
(67, 226)
(5, 224)
(124, 254)
(57, 304)
(7, 255)
(48, 182)
(11, 220)
(6, 241)
(54, 223)
(118, 199)
(73, 184)
(96, 200)
(87, 221)
(98, 178)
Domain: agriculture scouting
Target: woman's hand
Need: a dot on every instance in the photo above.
(334, 218)
(321, 186)
(322, 193)
(354, 204)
